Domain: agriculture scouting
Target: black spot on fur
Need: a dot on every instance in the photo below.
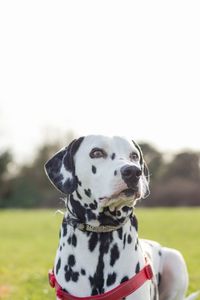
(71, 260)
(126, 208)
(159, 253)
(111, 279)
(93, 241)
(88, 192)
(159, 278)
(93, 206)
(78, 195)
(115, 172)
(94, 169)
(134, 222)
(83, 272)
(78, 209)
(124, 241)
(119, 213)
(113, 156)
(70, 274)
(119, 231)
(58, 266)
(94, 292)
(74, 240)
(97, 280)
(125, 278)
(75, 276)
(136, 244)
(121, 220)
(69, 240)
(79, 183)
(64, 227)
(67, 274)
(114, 254)
(129, 239)
(137, 269)
(90, 215)
(91, 279)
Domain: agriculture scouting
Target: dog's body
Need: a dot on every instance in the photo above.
(103, 178)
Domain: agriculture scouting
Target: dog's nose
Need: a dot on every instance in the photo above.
(130, 173)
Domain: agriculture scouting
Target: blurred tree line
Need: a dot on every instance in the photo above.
(174, 182)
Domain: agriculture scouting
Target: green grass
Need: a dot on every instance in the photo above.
(28, 242)
(176, 228)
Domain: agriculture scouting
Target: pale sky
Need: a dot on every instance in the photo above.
(127, 68)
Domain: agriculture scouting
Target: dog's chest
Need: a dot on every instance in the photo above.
(93, 263)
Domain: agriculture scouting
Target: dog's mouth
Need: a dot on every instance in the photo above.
(129, 192)
(126, 194)
(125, 197)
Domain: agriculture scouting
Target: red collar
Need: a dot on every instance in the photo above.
(124, 289)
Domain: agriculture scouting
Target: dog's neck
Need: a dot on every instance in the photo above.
(100, 262)
(92, 263)
(88, 212)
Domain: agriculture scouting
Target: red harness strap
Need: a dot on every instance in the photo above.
(124, 289)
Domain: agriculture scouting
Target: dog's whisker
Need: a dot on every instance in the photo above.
(58, 211)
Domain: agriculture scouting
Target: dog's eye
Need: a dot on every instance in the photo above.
(134, 156)
(97, 153)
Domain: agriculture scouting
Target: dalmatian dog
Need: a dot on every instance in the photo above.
(99, 249)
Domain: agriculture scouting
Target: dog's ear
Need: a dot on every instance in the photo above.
(60, 169)
(143, 164)
(145, 173)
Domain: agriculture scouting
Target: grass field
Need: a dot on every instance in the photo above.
(28, 241)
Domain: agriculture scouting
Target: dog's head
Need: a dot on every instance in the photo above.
(100, 172)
